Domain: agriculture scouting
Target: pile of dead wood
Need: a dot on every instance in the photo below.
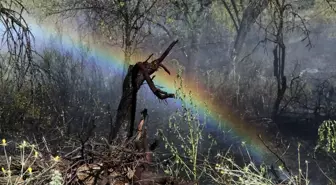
(127, 163)
(102, 163)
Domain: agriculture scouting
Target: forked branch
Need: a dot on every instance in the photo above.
(149, 68)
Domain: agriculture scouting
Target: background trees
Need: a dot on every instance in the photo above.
(251, 55)
(119, 23)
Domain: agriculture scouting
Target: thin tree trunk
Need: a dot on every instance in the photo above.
(250, 15)
(279, 54)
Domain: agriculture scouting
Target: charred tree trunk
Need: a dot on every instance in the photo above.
(279, 55)
(136, 75)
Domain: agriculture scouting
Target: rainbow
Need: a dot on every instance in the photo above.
(219, 114)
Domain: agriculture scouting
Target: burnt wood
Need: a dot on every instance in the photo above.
(122, 129)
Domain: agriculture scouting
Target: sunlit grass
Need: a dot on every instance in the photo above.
(26, 168)
(188, 160)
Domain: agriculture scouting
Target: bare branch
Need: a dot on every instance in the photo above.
(165, 53)
(235, 22)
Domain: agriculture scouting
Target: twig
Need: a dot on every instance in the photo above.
(324, 173)
(278, 157)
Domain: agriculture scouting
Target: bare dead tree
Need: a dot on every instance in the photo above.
(135, 77)
(284, 18)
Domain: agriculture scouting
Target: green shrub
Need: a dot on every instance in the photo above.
(327, 136)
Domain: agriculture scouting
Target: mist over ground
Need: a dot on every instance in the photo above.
(263, 65)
